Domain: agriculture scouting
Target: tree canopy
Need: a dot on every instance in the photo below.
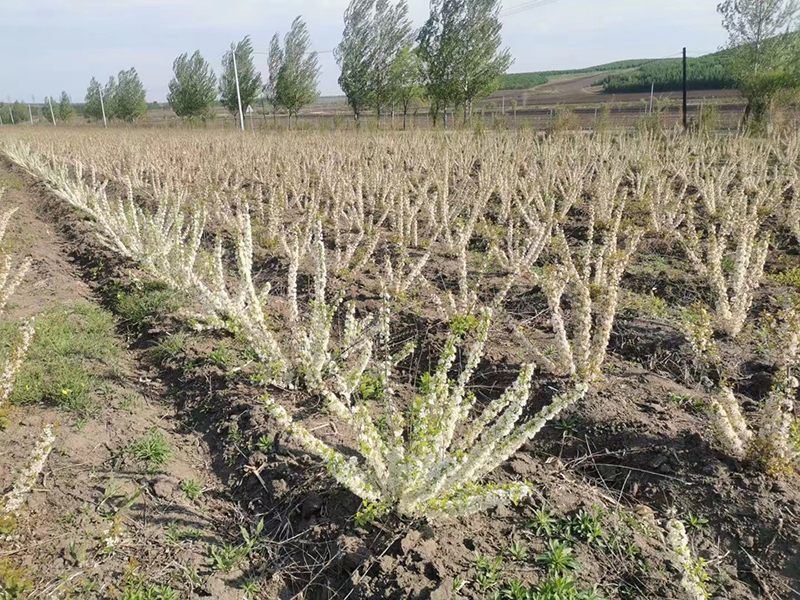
(193, 88)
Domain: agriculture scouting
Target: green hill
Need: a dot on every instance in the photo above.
(707, 72)
(519, 81)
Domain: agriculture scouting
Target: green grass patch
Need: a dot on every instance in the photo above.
(72, 352)
(137, 305)
(10, 181)
(154, 450)
(167, 350)
(790, 277)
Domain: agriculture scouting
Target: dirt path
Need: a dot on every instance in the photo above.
(101, 521)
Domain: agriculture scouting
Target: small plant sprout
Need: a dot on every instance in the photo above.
(558, 558)
(265, 444)
(153, 449)
(517, 551)
(191, 489)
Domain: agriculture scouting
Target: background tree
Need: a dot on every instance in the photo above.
(405, 77)
(460, 49)
(296, 85)
(64, 110)
(16, 113)
(437, 50)
(249, 79)
(353, 55)
(764, 58)
(129, 96)
(392, 33)
(375, 33)
(274, 64)
(479, 62)
(193, 88)
(92, 108)
(110, 98)
(45, 110)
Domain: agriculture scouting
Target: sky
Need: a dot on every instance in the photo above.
(51, 46)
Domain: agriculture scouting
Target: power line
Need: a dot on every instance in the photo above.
(524, 7)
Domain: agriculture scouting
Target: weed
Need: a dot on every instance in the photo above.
(226, 557)
(585, 526)
(568, 427)
(488, 571)
(251, 589)
(77, 554)
(222, 356)
(176, 534)
(265, 444)
(137, 305)
(696, 522)
(648, 306)
(561, 587)
(369, 513)
(517, 551)
(544, 522)
(460, 325)
(514, 590)
(14, 583)
(790, 277)
(153, 449)
(687, 402)
(558, 558)
(370, 388)
(129, 402)
(191, 489)
(164, 352)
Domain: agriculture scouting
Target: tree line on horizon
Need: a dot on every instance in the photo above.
(454, 59)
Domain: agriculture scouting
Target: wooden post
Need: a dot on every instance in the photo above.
(11, 112)
(52, 114)
(30, 114)
(652, 89)
(238, 94)
(685, 102)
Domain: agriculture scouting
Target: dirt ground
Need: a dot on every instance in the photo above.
(99, 524)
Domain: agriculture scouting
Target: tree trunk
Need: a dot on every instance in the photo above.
(405, 113)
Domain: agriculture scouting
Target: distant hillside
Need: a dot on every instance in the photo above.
(520, 81)
(709, 72)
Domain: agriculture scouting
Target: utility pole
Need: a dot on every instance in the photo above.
(11, 112)
(52, 114)
(30, 114)
(652, 89)
(102, 105)
(238, 94)
(685, 103)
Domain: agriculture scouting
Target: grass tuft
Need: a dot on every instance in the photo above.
(73, 350)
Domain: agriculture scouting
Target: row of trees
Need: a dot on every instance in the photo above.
(291, 81)
(122, 98)
(453, 60)
(17, 113)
